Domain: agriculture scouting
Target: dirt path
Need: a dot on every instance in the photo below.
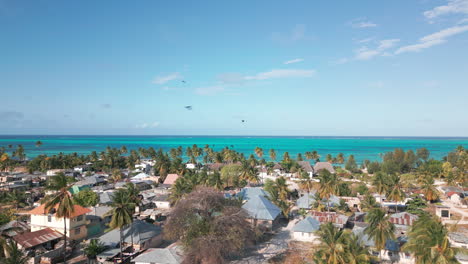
(276, 245)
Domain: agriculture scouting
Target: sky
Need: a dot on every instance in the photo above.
(310, 68)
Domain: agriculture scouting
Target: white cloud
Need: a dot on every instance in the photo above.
(365, 40)
(210, 90)
(448, 32)
(293, 61)
(362, 23)
(452, 7)
(365, 53)
(281, 73)
(420, 46)
(433, 39)
(341, 61)
(387, 43)
(147, 125)
(231, 78)
(167, 78)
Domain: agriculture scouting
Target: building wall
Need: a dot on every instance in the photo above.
(305, 237)
(162, 204)
(76, 230)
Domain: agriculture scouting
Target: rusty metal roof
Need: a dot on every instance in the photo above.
(32, 239)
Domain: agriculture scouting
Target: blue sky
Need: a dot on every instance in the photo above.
(368, 68)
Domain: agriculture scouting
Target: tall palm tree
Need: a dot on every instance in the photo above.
(428, 241)
(248, 172)
(356, 252)
(340, 158)
(315, 156)
(62, 201)
(133, 195)
(38, 143)
(272, 154)
(380, 182)
(430, 192)
(328, 186)
(259, 152)
(122, 211)
(93, 249)
(380, 229)
(332, 248)
(396, 192)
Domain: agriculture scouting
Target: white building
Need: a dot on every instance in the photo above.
(76, 225)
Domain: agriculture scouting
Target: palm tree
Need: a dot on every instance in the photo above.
(93, 249)
(13, 254)
(332, 248)
(429, 190)
(380, 229)
(428, 241)
(315, 156)
(328, 186)
(133, 195)
(380, 182)
(356, 252)
(329, 158)
(340, 158)
(272, 154)
(248, 172)
(259, 152)
(396, 192)
(122, 211)
(62, 201)
(38, 143)
(368, 203)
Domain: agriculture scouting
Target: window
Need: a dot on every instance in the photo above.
(49, 218)
(79, 218)
(77, 231)
(445, 213)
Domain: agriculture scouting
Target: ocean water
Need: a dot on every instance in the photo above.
(362, 148)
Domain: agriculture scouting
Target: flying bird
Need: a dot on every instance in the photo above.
(188, 107)
(243, 121)
(183, 81)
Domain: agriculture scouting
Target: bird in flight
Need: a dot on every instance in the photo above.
(243, 121)
(183, 81)
(188, 107)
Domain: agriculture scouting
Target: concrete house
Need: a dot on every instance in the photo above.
(169, 255)
(145, 235)
(262, 212)
(305, 230)
(76, 225)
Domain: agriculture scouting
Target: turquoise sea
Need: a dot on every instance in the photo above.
(362, 147)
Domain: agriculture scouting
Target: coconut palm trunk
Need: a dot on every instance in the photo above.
(65, 240)
(121, 245)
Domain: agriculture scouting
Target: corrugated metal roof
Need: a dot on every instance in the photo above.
(32, 239)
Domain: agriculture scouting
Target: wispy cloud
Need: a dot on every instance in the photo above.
(293, 61)
(166, 78)
(364, 40)
(297, 33)
(210, 90)
(340, 61)
(147, 125)
(365, 53)
(281, 73)
(434, 39)
(452, 7)
(231, 78)
(362, 23)
(11, 117)
(377, 84)
(106, 106)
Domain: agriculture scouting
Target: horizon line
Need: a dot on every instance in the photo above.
(213, 135)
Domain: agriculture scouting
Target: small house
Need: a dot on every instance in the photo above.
(262, 212)
(305, 229)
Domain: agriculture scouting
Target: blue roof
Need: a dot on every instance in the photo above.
(259, 207)
(248, 192)
(307, 225)
(306, 201)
